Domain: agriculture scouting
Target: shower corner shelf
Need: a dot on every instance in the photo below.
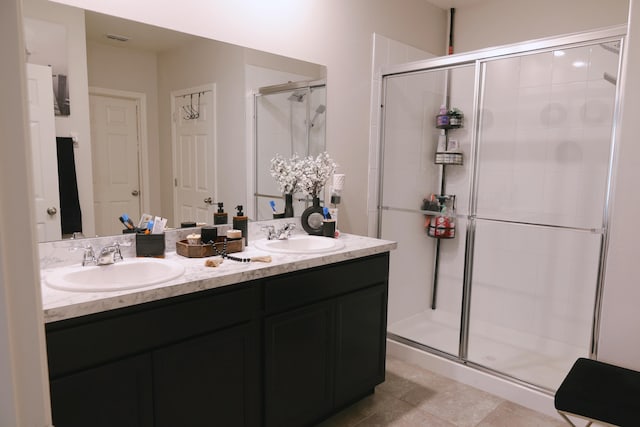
(447, 158)
(449, 121)
(452, 120)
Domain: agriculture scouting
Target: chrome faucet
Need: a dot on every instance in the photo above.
(282, 233)
(89, 256)
(107, 255)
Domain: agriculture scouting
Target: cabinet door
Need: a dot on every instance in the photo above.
(211, 380)
(114, 394)
(298, 365)
(361, 322)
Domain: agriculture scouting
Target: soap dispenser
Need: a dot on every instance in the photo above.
(220, 217)
(240, 222)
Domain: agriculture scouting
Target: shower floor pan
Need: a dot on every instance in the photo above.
(532, 359)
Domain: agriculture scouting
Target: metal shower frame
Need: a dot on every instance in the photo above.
(478, 59)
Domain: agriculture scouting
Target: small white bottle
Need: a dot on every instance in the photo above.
(442, 142)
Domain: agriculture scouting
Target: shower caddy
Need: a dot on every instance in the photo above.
(439, 209)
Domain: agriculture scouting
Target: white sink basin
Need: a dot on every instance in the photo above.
(130, 273)
(300, 244)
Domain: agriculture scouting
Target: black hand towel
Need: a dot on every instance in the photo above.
(70, 214)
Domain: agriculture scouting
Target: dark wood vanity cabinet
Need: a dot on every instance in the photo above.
(211, 378)
(283, 351)
(113, 394)
(183, 361)
(324, 339)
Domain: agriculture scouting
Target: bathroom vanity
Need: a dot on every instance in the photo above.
(281, 344)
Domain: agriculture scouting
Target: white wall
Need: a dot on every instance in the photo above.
(78, 122)
(619, 337)
(497, 22)
(334, 33)
(24, 391)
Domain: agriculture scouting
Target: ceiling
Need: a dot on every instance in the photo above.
(448, 4)
(141, 36)
(156, 39)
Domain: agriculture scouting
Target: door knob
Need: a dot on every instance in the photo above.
(135, 193)
(52, 211)
(208, 201)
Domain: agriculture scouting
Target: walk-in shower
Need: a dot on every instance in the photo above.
(519, 286)
(288, 119)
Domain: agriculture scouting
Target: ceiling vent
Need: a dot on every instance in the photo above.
(117, 37)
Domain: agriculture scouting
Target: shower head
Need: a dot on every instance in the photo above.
(297, 96)
(611, 79)
(613, 47)
(320, 110)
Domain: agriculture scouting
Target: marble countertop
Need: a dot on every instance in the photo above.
(60, 305)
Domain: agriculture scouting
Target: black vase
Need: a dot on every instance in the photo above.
(312, 218)
(288, 205)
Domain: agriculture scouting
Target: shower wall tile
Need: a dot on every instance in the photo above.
(535, 70)
(565, 106)
(408, 295)
(386, 51)
(599, 104)
(512, 288)
(572, 66)
(559, 150)
(503, 73)
(531, 102)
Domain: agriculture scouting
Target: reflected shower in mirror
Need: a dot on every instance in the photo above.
(289, 119)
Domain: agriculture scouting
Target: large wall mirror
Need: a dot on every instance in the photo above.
(170, 117)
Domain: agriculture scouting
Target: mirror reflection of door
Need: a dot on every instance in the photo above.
(116, 171)
(194, 171)
(43, 148)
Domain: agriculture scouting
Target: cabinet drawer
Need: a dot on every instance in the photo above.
(297, 289)
(92, 340)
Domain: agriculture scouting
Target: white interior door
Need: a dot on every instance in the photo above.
(194, 154)
(116, 174)
(44, 153)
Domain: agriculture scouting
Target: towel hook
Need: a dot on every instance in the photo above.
(191, 112)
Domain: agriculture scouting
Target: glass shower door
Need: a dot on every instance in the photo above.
(542, 177)
(425, 286)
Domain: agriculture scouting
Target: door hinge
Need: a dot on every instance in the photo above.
(175, 182)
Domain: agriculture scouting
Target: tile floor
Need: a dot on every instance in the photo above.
(414, 397)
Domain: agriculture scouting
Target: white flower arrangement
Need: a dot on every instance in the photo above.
(286, 173)
(315, 173)
(307, 175)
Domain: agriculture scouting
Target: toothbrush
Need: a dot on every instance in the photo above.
(126, 221)
(326, 213)
(273, 206)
